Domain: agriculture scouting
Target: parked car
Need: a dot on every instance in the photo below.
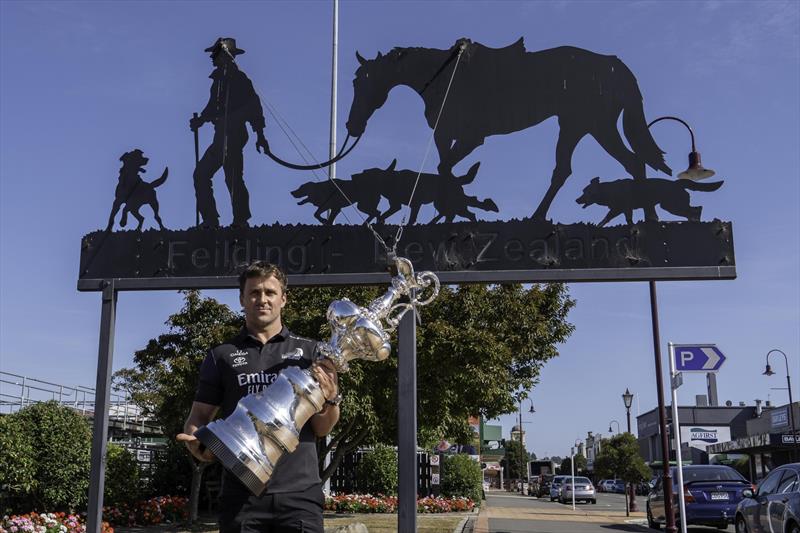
(545, 480)
(774, 505)
(599, 486)
(608, 485)
(584, 490)
(711, 494)
(555, 487)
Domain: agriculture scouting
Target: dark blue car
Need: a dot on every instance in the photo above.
(712, 493)
(774, 506)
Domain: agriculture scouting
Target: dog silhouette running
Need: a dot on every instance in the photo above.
(626, 195)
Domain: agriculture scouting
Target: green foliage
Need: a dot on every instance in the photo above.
(515, 459)
(122, 484)
(377, 471)
(54, 443)
(17, 463)
(171, 472)
(461, 476)
(565, 468)
(477, 347)
(619, 457)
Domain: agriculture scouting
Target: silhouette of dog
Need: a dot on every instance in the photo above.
(446, 193)
(325, 196)
(135, 192)
(625, 195)
(366, 189)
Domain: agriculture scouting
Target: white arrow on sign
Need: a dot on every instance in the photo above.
(712, 358)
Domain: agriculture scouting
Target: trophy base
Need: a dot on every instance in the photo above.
(248, 470)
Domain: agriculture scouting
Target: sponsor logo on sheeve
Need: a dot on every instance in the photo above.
(706, 435)
(297, 353)
(237, 353)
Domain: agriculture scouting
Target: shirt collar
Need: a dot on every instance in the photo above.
(219, 72)
(282, 335)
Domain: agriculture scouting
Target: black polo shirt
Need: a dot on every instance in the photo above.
(243, 366)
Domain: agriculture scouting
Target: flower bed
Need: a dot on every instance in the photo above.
(159, 510)
(367, 503)
(46, 523)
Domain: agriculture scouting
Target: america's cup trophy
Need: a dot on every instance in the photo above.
(267, 424)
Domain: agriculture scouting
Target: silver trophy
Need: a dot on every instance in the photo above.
(267, 424)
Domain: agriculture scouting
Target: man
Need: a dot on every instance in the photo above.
(232, 104)
(248, 363)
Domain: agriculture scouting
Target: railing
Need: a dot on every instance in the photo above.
(18, 391)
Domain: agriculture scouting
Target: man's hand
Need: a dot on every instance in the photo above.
(262, 146)
(195, 447)
(325, 373)
(195, 123)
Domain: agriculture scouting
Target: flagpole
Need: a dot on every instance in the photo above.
(334, 78)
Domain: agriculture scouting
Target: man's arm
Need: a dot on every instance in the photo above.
(322, 423)
(201, 415)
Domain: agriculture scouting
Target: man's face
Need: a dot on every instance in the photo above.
(262, 300)
(220, 58)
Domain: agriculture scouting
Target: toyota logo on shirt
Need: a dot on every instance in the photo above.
(239, 361)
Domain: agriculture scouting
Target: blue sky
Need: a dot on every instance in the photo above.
(83, 82)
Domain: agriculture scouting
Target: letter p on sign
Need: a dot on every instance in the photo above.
(686, 357)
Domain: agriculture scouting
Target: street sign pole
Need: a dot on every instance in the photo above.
(675, 382)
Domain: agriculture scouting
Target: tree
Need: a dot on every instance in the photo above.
(516, 459)
(164, 380)
(619, 458)
(566, 465)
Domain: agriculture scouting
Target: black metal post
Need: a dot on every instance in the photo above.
(632, 507)
(795, 436)
(407, 423)
(662, 413)
(94, 518)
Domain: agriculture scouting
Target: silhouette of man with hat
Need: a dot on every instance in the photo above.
(233, 103)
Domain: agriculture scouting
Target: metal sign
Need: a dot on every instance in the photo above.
(697, 357)
(488, 92)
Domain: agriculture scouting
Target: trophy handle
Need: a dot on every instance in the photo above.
(423, 280)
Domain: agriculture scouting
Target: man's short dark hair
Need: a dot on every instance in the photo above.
(262, 269)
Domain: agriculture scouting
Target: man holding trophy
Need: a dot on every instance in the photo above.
(248, 364)
(277, 392)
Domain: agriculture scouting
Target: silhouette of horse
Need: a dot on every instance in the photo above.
(500, 91)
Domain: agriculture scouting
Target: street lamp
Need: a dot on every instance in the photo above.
(627, 399)
(695, 171)
(609, 426)
(768, 372)
(522, 443)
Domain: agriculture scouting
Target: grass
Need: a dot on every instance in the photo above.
(376, 523)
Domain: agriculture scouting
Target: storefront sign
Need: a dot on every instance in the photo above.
(779, 417)
(701, 437)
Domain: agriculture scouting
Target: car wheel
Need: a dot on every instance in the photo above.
(794, 528)
(594, 502)
(741, 525)
(652, 524)
(552, 499)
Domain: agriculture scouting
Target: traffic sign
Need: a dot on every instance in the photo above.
(697, 357)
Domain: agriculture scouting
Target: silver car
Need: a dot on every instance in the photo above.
(582, 487)
(555, 487)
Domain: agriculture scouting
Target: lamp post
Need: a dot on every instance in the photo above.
(696, 171)
(522, 445)
(609, 426)
(768, 372)
(627, 399)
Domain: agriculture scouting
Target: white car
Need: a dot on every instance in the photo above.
(555, 487)
(584, 490)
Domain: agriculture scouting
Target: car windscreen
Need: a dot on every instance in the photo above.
(711, 474)
(579, 480)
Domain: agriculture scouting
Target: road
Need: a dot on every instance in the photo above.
(511, 513)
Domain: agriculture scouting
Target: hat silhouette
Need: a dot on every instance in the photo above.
(225, 43)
